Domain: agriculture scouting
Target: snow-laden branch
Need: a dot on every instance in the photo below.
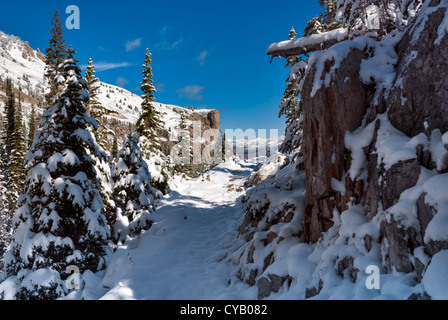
(304, 45)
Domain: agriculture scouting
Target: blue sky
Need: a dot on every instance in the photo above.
(204, 52)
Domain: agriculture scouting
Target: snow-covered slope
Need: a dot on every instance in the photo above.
(25, 66)
(181, 256)
(22, 64)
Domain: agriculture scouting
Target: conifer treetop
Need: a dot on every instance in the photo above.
(55, 55)
(149, 125)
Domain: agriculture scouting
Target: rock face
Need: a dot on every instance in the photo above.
(329, 114)
(209, 119)
(422, 67)
(415, 103)
(376, 168)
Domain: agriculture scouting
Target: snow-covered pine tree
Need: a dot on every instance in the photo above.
(96, 110)
(150, 128)
(5, 212)
(181, 154)
(9, 120)
(149, 125)
(133, 194)
(60, 220)
(114, 151)
(54, 58)
(32, 126)
(17, 157)
(290, 105)
(14, 146)
(392, 14)
(324, 22)
(101, 131)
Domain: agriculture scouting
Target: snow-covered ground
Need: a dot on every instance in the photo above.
(180, 257)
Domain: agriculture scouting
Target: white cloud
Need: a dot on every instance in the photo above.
(102, 66)
(202, 56)
(192, 92)
(121, 82)
(133, 44)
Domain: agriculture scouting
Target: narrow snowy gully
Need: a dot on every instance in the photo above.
(180, 257)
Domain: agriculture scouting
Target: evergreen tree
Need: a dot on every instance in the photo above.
(289, 102)
(133, 193)
(181, 154)
(14, 147)
(115, 147)
(150, 128)
(60, 220)
(32, 126)
(17, 157)
(96, 110)
(54, 58)
(149, 124)
(391, 14)
(290, 105)
(10, 116)
(224, 148)
(326, 21)
(5, 212)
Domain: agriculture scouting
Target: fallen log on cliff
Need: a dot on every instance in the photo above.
(304, 45)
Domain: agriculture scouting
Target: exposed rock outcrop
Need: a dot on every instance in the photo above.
(376, 158)
(416, 104)
(421, 86)
(329, 114)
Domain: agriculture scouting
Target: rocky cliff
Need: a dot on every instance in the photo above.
(376, 170)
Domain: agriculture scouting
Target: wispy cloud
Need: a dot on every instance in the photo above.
(102, 66)
(201, 57)
(133, 44)
(160, 87)
(169, 38)
(121, 82)
(192, 92)
(163, 31)
(166, 45)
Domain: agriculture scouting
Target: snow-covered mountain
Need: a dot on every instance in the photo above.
(25, 67)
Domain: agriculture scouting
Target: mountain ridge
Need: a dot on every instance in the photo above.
(25, 66)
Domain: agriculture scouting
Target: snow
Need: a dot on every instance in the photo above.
(435, 280)
(355, 142)
(185, 254)
(338, 34)
(443, 27)
(394, 146)
(337, 54)
(380, 68)
(438, 151)
(43, 278)
(178, 258)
